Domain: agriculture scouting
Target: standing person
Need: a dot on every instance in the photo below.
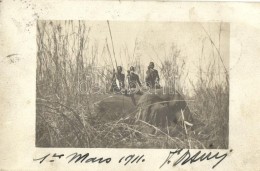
(152, 77)
(133, 78)
(118, 80)
(133, 81)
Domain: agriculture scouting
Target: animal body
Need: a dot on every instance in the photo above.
(156, 107)
(160, 107)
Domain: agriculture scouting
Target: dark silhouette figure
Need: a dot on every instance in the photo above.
(133, 78)
(118, 80)
(152, 77)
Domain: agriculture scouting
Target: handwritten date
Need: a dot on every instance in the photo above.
(183, 157)
(131, 159)
(86, 158)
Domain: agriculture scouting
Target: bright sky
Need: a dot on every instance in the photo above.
(154, 40)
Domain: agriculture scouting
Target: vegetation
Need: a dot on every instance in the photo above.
(65, 111)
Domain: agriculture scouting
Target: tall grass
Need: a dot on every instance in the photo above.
(65, 117)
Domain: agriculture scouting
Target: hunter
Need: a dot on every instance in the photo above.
(133, 78)
(152, 77)
(118, 80)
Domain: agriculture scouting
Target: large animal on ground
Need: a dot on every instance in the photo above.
(158, 107)
(162, 108)
(116, 106)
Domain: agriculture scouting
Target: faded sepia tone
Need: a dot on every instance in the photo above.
(76, 108)
(26, 136)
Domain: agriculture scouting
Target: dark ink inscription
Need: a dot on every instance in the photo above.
(84, 158)
(131, 159)
(188, 158)
(42, 159)
(75, 157)
(185, 157)
(54, 156)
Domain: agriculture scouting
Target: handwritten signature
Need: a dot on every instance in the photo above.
(187, 157)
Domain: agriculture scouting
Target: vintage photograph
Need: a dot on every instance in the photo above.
(132, 84)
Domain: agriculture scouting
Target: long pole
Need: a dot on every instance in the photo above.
(112, 42)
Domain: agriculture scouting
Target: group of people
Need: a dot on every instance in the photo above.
(118, 79)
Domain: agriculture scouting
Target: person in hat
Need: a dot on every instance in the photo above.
(118, 80)
(152, 77)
